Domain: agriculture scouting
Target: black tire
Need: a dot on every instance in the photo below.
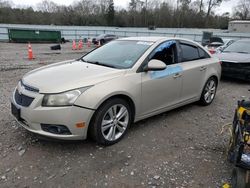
(203, 101)
(233, 140)
(95, 129)
(102, 42)
(240, 178)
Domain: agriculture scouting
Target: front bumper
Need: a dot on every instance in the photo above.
(34, 115)
(233, 73)
(236, 72)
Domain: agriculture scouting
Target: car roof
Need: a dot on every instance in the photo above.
(243, 40)
(154, 39)
(148, 39)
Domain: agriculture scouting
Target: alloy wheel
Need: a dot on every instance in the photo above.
(115, 122)
(210, 91)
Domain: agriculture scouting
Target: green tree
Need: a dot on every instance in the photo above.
(110, 13)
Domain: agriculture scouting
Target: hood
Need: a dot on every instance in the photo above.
(234, 57)
(69, 75)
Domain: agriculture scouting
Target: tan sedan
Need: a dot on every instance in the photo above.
(124, 81)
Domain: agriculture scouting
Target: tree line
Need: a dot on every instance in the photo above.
(139, 13)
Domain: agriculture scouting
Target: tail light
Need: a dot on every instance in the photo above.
(212, 51)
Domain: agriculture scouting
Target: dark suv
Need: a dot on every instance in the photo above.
(104, 38)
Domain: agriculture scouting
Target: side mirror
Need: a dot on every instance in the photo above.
(155, 65)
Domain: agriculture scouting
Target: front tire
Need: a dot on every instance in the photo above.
(111, 122)
(209, 92)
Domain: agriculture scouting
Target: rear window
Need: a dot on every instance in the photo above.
(189, 52)
(203, 54)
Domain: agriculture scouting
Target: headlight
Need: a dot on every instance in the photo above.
(63, 99)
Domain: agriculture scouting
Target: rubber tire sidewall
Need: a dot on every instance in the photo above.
(95, 127)
(102, 42)
(202, 99)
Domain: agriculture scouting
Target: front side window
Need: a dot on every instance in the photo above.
(119, 54)
(165, 52)
(189, 52)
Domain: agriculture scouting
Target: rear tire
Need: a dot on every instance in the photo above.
(111, 122)
(209, 92)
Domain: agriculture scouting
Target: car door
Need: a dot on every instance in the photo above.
(194, 67)
(161, 89)
(108, 38)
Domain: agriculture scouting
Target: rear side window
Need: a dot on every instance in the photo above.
(189, 52)
(203, 54)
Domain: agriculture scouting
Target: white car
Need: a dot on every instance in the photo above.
(124, 81)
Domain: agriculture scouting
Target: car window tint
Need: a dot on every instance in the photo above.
(120, 54)
(203, 54)
(165, 52)
(189, 52)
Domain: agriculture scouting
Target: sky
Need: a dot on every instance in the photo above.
(225, 7)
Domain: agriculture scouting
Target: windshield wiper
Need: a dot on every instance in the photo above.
(98, 63)
(235, 52)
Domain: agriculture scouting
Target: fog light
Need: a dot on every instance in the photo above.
(56, 129)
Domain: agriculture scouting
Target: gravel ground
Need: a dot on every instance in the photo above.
(180, 148)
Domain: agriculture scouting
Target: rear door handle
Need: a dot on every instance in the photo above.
(177, 75)
(203, 68)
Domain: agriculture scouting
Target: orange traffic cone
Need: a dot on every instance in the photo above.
(30, 52)
(74, 45)
(80, 44)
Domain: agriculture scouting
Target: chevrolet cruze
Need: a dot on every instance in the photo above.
(100, 94)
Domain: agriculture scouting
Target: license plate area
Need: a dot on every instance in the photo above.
(15, 112)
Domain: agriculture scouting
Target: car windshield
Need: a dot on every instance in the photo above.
(238, 47)
(118, 54)
(225, 41)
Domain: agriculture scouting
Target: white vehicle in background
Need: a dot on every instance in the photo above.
(227, 42)
(217, 44)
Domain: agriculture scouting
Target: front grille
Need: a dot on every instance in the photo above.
(226, 64)
(22, 99)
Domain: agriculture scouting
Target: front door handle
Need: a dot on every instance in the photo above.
(177, 75)
(203, 68)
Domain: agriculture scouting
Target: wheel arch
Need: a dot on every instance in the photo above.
(210, 76)
(201, 100)
(120, 96)
(215, 77)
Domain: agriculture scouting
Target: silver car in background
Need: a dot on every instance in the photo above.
(102, 93)
(235, 60)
